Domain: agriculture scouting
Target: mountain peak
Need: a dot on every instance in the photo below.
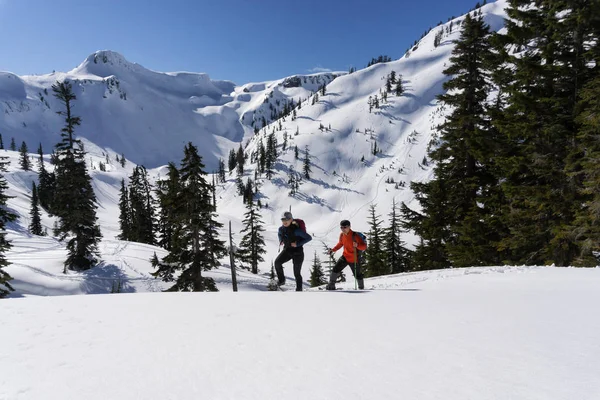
(106, 62)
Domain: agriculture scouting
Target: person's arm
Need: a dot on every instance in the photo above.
(302, 237)
(337, 246)
(280, 235)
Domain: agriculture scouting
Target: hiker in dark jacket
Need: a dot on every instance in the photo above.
(292, 238)
(351, 242)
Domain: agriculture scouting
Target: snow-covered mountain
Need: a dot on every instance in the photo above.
(149, 116)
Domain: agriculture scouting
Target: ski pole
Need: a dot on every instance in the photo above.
(355, 269)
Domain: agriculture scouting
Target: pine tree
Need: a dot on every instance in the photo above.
(232, 160)
(13, 145)
(306, 165)
(24, 157)
(538, 124)
(399, 88)
(240, 160)
(140, 207)
(166, 193)
(396, 254)
(5, 217)
(46, 183)
(1, 143)
(296, 156)
(35, 226)
(252, 245)
(460, 215)
(74, 201)
(195, 245)
(375, 264)
(123, 161)
(317, 277)
(586, 226)
(221, 172)
(124, 213)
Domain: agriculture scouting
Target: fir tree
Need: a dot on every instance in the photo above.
(5, 217)
(195, 245)
(124, 213)
(140, 207)
(24, 157)
(317, 277)
(74, 201)
(166, 193)
(232, 160)
(375, 256)
(252, 245)
(463, 166)
(13, 145)
(555, 42)
(46, 183)
(35, 226)
(1, 143)
(399, 88)
(306, 165)
(221, 171)
(395, 252)
(240, 160)
(123, 161)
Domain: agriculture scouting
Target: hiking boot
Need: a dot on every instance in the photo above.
(281, 282)
(332, 278)
(361, 283)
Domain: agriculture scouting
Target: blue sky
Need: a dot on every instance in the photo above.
(238, 40)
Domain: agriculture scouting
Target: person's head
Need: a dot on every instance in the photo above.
(345, 226)
(286, 218)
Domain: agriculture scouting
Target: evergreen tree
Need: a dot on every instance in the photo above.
(221, 172)
(554, 41)
(252, 245)
(461, 214)
(399, 88)
(166, 193)
(195, 245)
(123, 161)
(140, 207)
(13, 145)
(317, 277)
(296, 156)
(396, 253)
(586, 226)
(240, 160)
(74, 201)
(124, 213)
(375, 264)
(306, 165)
(1, 143)
(35, 226)
(24, 157)
(5, 217)
(46, 183)
(232, 160)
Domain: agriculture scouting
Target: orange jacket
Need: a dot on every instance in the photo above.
(347, 241)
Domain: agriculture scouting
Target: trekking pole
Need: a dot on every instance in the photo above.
(355, 269)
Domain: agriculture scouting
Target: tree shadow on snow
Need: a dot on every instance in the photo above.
(104, 278)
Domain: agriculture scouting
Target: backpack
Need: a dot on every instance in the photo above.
(301, 224)
(360, 253)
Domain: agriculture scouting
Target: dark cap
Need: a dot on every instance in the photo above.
(286, 216)
(345, 223)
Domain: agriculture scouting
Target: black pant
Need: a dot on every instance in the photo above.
(342, 263)
(296, 254)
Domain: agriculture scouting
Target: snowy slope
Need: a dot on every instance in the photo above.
(481, 333)
(163, 110)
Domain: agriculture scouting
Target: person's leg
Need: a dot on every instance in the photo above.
(336, 271)
(360, 277)
(283, 257)
(298, 259)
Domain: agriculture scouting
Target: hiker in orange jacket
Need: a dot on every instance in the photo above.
(351, 243)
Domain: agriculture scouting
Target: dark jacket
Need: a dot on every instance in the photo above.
(291, 234)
